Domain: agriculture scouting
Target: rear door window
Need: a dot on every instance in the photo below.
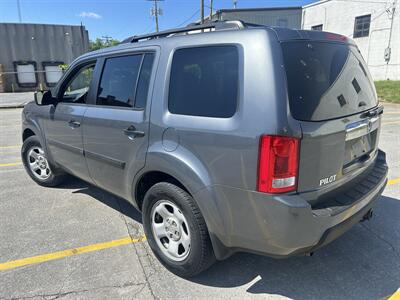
(118, 81)
(326, 80)
(144, 81)
(204, 82)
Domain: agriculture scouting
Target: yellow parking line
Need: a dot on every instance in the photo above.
(100, 246)
(395, 296)
(394, 181)
(70, 252)
(10, 147)
(11, 164)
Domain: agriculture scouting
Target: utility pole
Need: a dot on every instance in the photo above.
(19, 11)
(107, 39)
(391, 22)
(202, 11)
(211, 9)
(235, 4)
(155, 11)
(388, 50)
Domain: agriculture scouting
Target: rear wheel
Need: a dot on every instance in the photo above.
(176, 230)
(36, 164)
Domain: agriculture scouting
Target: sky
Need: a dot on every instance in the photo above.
(120, 18)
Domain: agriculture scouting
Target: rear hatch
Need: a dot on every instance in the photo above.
(332, 96)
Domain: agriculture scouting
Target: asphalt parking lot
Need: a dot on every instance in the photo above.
(77, 241)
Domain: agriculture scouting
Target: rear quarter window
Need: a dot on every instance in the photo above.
(204, 82)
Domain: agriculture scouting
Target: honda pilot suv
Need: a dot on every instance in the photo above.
(226, 136)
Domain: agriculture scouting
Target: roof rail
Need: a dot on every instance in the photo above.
(217, 25)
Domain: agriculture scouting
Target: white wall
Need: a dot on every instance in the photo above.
(338, 16)
(265, 17)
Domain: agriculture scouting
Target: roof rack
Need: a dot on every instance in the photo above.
(217, 25)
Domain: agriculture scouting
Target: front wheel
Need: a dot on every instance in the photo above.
(36, 164)
(176, 230)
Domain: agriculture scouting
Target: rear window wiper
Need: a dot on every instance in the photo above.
(373, 113)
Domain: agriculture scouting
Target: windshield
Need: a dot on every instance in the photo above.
(326, 80)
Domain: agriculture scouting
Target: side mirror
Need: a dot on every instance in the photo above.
(44, 98)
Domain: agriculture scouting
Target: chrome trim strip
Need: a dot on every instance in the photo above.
(361, 128)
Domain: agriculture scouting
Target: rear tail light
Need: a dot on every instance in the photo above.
(278, 164)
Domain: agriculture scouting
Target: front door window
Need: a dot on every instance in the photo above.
(78, 87)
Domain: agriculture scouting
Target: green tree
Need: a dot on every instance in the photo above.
(101, 43)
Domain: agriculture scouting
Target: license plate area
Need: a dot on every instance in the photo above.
(361, 140)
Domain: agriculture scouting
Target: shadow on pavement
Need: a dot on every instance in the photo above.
(363, 264)
(116, 203)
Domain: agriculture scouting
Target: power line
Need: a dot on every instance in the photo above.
(148, 29)
(188, 19)
(194, 14)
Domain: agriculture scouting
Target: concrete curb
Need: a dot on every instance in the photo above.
(15, 100)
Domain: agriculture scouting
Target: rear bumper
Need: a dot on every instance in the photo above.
(284, 225)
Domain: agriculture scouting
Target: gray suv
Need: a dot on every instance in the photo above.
(226, 136)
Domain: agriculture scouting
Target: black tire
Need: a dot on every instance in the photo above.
(201, 255)
(56, 176)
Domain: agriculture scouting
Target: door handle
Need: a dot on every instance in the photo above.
(74, 124)
(132, 133)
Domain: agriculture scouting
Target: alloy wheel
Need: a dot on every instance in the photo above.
(171, 230)
(38, 163)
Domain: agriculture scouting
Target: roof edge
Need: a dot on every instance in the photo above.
(258, 8)
(41, 24)
(315, 3)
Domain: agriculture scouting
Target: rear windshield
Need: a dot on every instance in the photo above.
(326, 80)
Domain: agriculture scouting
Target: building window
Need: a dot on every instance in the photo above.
(317, 27)
(204, 82)
(26, 73)
(282, 23)
(52, 72)
(361, 26)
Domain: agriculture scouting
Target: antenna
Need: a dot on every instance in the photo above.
(155, 11)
